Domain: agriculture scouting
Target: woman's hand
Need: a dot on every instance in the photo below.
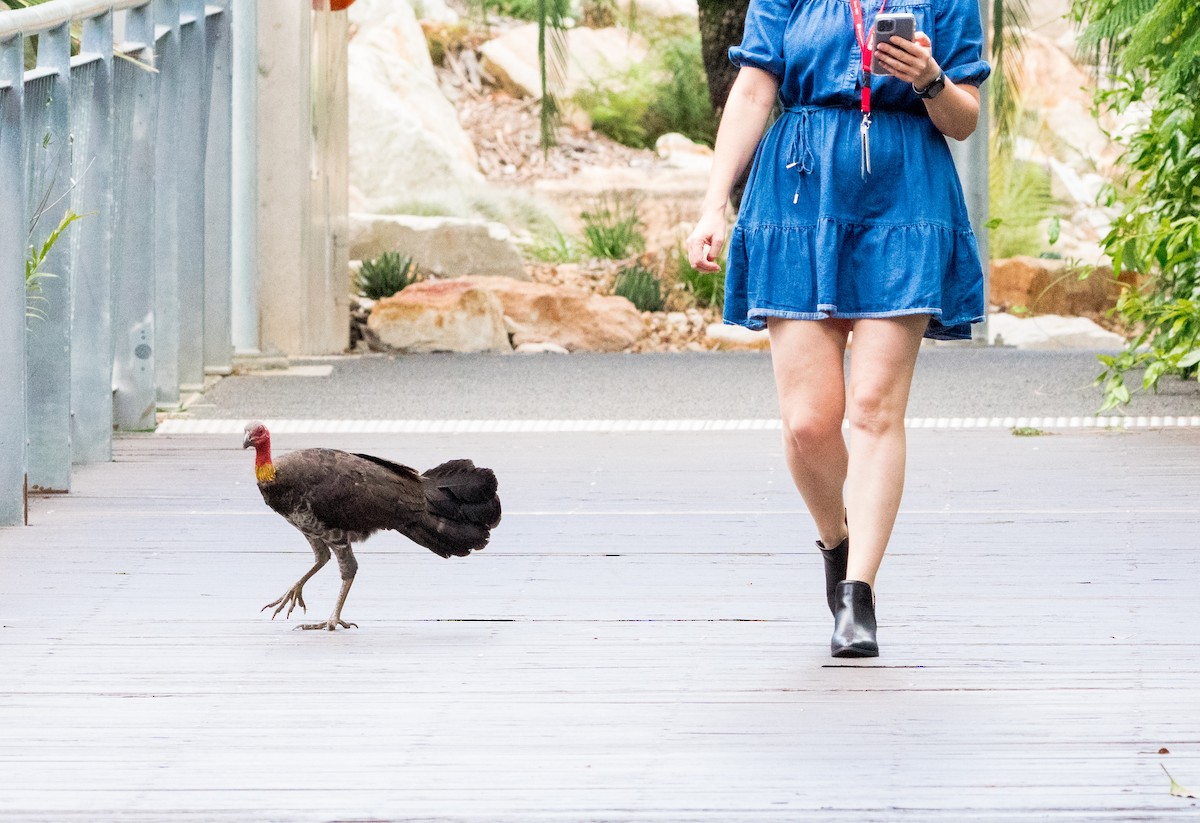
(704, 243)
(910, 60)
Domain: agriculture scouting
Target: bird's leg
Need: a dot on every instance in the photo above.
(294, 596)
(348, 565)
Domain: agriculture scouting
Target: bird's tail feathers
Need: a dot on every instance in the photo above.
(462, 509)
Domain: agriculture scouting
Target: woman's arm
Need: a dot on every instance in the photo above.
(956, 110)
(746, 111)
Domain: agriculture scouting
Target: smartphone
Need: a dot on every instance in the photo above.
(887, 26)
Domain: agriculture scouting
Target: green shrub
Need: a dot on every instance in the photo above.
(386, 275)
(680, 102)
(618, 107)
(520, 9)
(612, 228)
(641, 287)
(668, 93)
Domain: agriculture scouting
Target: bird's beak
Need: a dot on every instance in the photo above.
(246, 441)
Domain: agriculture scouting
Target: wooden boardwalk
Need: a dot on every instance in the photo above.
(645, 640)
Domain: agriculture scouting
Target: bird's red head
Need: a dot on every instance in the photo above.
(258, 437)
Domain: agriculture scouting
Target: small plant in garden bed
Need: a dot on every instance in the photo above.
(612, 228)
(386, 275)
(641, 287)
(706, 288)
(554, 246)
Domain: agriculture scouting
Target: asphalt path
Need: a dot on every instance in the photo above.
(949, 382)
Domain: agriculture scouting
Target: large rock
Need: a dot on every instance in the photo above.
(683, 153)
(592, 56)
(575, 320)
(404, 134)
(444, 246)
(737, 338)
(442, 315)
(1051, 331)
(1051, 287)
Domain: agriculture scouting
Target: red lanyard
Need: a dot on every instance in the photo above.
(860, 32)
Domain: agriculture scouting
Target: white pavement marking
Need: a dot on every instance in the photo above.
(294, 426)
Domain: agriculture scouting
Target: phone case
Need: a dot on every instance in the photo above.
(886, 27)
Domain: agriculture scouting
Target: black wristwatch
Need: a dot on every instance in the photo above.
(933, 89)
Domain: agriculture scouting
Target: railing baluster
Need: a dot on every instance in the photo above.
(166, 203)
(191, 130)
(218, 200)
(91, 243)
(134, 258)
(48, 175)
(13, 453)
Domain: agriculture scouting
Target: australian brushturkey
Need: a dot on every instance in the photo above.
(336, 498)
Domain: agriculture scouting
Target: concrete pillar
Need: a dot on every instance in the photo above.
(302, 194)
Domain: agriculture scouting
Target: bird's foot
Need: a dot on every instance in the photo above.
(292, 598)
(328, 625)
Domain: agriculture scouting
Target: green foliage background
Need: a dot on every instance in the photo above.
(1151, 49)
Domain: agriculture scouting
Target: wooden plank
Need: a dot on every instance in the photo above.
(644, 640)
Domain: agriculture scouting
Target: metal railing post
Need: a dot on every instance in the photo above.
(48, 170)
(218, 198)
(13, 454)
(243, 231)
(166, 203)
(191, 133)
(91, 241)
(134, 229)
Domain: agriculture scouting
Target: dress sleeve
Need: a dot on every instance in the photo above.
(762, 39)
(958, 42)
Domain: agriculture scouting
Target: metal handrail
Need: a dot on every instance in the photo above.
(33, 19)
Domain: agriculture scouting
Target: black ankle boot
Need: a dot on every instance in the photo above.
(854, 621)
(835, 568)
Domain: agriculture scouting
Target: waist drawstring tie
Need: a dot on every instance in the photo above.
(799, 155)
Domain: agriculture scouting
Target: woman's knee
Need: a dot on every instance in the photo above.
(873, 409)
(810, 429)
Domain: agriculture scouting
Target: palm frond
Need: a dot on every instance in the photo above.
(552, 63)
(1010, 21)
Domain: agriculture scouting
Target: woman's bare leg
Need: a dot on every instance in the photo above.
(883, 355)
(808, 358)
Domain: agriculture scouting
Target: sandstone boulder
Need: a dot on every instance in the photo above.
(575, 320)
(441, 315)
(442, 246)
(683, 153)
(1051, 331)
(1050, 287)
(404, 134)
(592, 56)
(725, 337)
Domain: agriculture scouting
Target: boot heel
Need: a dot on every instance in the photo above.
(854, 621)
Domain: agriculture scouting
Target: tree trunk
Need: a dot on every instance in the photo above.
(721, 24)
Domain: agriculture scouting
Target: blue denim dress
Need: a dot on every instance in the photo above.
(814, 238)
